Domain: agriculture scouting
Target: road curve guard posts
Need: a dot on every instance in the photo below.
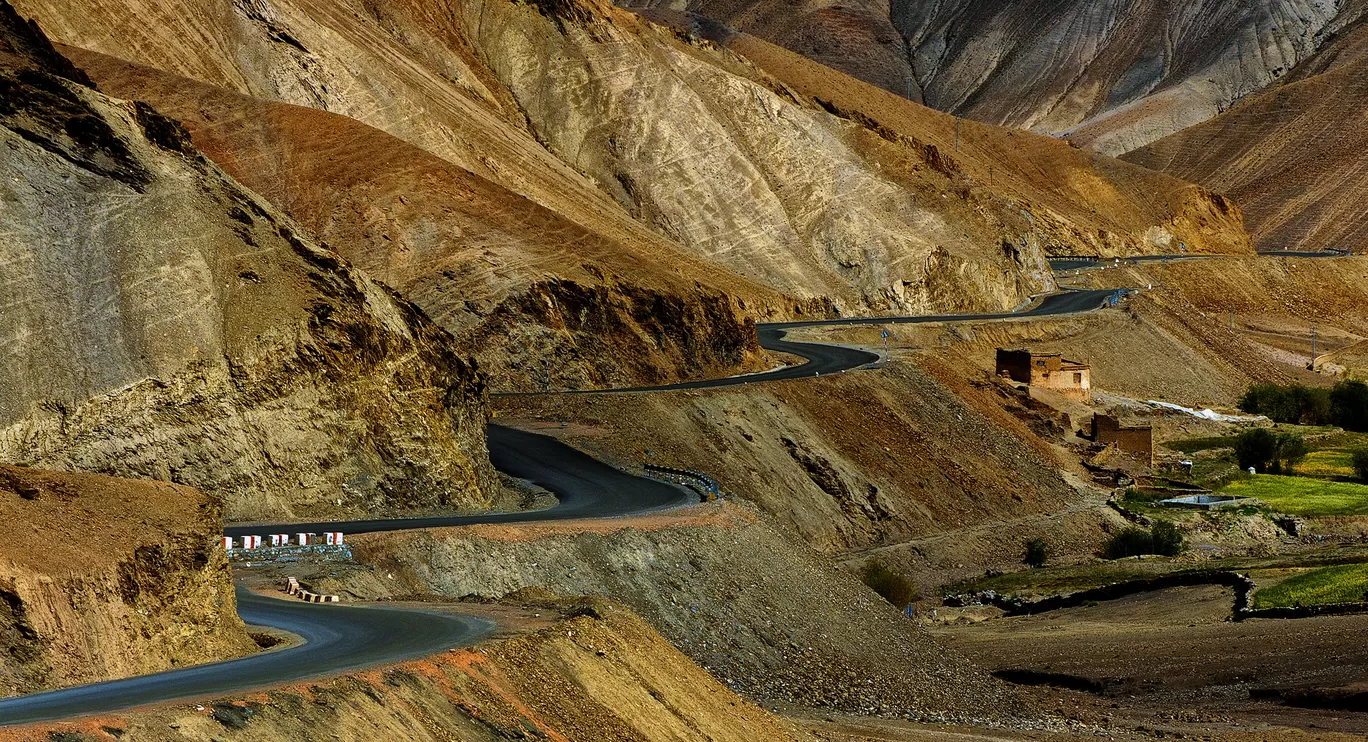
(705, 484)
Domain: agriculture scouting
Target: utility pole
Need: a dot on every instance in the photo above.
(1313, 347)
(957, 130)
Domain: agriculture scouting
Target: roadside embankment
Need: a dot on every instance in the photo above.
(601, 674)
(104, 578)
(768, 617)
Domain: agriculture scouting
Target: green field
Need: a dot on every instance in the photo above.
(1330, 456)
(1305, 496)
(1345, 583)
(1193, 445)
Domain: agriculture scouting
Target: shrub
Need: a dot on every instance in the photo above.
(1359, 460)
(1165, 539)
(894, 588)
(1037, 552)
(1127, 542)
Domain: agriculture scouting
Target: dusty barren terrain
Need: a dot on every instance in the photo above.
(88, 593)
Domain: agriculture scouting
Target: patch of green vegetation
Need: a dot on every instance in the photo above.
(1067, 578)
(1346, 583)
(892, 585)
(1332, 456)
(1193, 445)
(1303, 496)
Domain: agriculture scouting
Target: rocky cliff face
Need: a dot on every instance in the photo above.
(161, 321)
(102, 578)
(513, 281)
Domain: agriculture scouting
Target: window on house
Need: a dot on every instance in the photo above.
(1078, 379)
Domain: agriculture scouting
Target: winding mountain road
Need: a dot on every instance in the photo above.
(1085, 263)
(336, 639)
(344, 638)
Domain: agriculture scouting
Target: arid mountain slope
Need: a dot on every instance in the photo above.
(613, 123)
(102, 578)
(1295, 158)
(1073, 202)
(600, 675)
(515, 282)
(1111, 75)
(856, 37)
(655, 129)
(160, 321)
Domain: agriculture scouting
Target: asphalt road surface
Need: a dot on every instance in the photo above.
(342, 638)
(825, 359)
(584, 486)
(336, 639)
(1069, 264)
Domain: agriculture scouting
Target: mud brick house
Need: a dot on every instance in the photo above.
(1133, 441)
(1048, 371)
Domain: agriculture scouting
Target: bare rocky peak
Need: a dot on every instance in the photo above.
(161, 321)
(1112, 75)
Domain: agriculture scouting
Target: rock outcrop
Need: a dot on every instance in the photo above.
(161, 321)
(103, 578)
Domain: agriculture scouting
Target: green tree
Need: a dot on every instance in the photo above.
(1296, 404)
(1257, 448)
(1291, 450)
(1359, 460)
(1349, 405)
(1037, 552)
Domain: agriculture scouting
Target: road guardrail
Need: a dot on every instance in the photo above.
(706, 485)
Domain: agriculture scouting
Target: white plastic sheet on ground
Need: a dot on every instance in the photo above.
(1207, 414)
